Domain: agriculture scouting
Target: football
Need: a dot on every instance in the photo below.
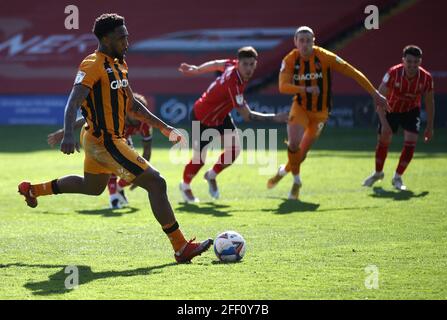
(229, 246)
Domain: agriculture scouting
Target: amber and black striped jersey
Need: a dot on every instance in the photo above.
(316, 71)
(105, 107)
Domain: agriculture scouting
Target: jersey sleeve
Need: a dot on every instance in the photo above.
(88, 74)
(430, 84)
(230, 63)
(287, 65)
(388, 79)
(340, 65)
(286, 71)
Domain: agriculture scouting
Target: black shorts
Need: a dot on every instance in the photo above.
(228, 124)
(409, 121)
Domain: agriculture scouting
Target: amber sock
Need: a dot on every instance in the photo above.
(175, 235)
(45, 189)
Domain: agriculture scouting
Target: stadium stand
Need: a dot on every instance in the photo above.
(35, 46)
(375, 51)
(39, 57)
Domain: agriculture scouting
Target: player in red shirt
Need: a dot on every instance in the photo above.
(212, 111)
(404, 85)
(133, 126)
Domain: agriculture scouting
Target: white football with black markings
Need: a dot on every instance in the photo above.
(229, 246)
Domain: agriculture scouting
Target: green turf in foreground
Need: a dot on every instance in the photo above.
(315, 249)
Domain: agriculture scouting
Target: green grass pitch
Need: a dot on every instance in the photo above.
(314, 249)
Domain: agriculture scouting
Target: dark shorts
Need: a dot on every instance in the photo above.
(409, 121)
(228, 124)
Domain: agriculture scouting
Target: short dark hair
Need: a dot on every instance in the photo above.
(106, 23)
(247, 52)
(412, 50)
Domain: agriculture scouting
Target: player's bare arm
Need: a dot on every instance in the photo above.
(56, 137)
(75, 100)
(140, 112)
(249, 115)
(210, 66)
(147, 149)
(430, 109)
(386, 129)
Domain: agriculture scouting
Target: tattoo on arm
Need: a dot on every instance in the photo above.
(141, 112)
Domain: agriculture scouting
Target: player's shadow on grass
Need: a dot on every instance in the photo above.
(290, 206)
(404, 195)
(218, 262)
(56, 282)
(108, 213)
(210, 208)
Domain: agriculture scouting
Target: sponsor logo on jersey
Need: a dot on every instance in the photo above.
(308, 76)
(116, 84)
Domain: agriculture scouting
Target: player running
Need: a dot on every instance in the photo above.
(212, 111)
(115, 186)
(306, 73)
(403, 85)
(102, 90)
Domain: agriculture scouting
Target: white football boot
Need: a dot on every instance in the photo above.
(376, 176)
(273, 181)
(398, 183)
(122, 197)
(188, 196)
(212, 185)
(115, 202)
(295, 191)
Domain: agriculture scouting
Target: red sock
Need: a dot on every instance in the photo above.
(381, 153)
(406, 156)
(191, 170)
(111, 185)
(226, 159)
(123, 183)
